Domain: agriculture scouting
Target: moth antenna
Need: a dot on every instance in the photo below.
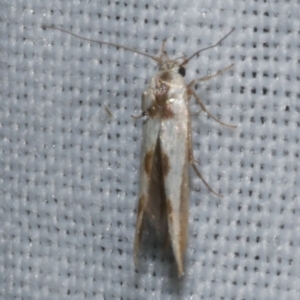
(201, 50)
(102, 42)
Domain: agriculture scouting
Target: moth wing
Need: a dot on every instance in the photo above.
(156, 205)
(173, 138)
(148, 171)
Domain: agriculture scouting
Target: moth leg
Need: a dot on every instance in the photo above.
(137, 117)
(142, 115)
(109, 113)
(197, 113)
(203, 180)
(144, 108)
(205, 78)
(193, 162)
(192, 92)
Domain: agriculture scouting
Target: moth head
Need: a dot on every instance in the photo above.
(172, 65)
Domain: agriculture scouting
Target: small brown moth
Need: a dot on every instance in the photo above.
(167, 153)
(166, 149)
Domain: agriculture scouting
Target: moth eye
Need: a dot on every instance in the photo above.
(181, 71)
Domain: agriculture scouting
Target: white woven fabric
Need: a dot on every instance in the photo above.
(70, 171)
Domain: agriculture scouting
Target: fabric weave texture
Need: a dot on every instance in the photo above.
(69, 150)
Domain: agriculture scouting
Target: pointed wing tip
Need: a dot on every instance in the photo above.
(180, 268)
(180, 272)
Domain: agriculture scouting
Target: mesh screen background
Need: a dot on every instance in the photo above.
(70, 171)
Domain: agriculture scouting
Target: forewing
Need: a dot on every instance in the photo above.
(151, 129)
(173, 138)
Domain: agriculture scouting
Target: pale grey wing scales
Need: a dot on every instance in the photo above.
(174, 137)
(151, 128)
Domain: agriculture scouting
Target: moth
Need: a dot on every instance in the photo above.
(166, 152)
